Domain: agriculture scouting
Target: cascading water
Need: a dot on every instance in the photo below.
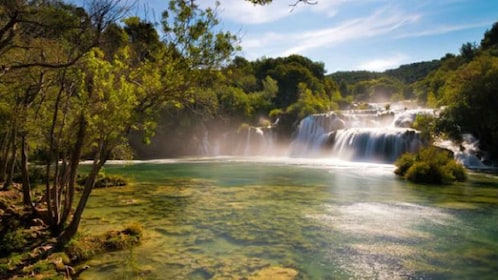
(313, 134)
(359, 135)
(466, 152)
(374, 144)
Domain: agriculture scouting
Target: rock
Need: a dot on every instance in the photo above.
(275, 273)
(37, 222)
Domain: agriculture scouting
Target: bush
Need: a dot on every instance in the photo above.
(457, 170)
(419, 172)
(430, 165)
(403, 163)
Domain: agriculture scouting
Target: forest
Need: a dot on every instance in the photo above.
(89, 83)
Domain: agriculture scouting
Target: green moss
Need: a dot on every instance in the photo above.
(42, 266)
(84, 247)
(134, 229)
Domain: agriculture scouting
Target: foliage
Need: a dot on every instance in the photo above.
(430, 165)
(426, 124)
(308, 103)
(490, 37)
(470, 96)
(410, 73)
(75, 84)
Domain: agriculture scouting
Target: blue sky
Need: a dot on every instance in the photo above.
(353, 34)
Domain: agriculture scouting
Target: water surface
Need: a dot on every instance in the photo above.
(230, 218)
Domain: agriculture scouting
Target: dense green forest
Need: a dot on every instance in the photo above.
(89, 83)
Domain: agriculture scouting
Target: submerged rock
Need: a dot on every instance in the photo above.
(174, 191)
(275, 273)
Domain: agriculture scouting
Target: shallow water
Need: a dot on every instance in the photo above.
(228, 218)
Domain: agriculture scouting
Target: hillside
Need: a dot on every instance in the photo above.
(408, 73)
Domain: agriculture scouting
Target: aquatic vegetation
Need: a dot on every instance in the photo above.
(85, 246)
(105, 181)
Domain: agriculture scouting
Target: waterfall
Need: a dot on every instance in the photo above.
(466, 152)
(359, 135)
(313, 133)
(374, 144)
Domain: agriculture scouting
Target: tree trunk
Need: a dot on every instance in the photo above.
(11, 166)
(5, 147)
(73, 168)
(26, 185)
(98, 163)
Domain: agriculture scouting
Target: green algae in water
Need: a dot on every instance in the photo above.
(220, 220)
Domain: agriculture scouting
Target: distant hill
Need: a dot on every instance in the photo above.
(408, 73)
(353, 77)
(411, 73)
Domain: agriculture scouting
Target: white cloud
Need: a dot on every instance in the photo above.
(381, 64)
(379, 23)
(243, 12)
(443, 29)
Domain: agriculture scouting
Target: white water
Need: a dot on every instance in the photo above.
(375, 144)
(466, 152)
(359, 135)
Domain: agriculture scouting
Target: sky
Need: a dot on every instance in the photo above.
(347, 35)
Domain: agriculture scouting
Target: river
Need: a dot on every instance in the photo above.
(234, 217)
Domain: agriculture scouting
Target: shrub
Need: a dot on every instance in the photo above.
(403, 163)
(430, 165)
(457, 170)
(419, 172)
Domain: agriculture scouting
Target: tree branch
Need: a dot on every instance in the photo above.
(307, 2)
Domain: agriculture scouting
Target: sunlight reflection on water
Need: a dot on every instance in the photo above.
(382, 236)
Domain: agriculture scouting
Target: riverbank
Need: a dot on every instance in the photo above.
(27, 248)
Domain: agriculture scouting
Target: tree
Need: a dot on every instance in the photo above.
(120, 96)
(30, 30)
(468, 51)
(470, 96)
(490, 37)
(62, 97)
(36, 38)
